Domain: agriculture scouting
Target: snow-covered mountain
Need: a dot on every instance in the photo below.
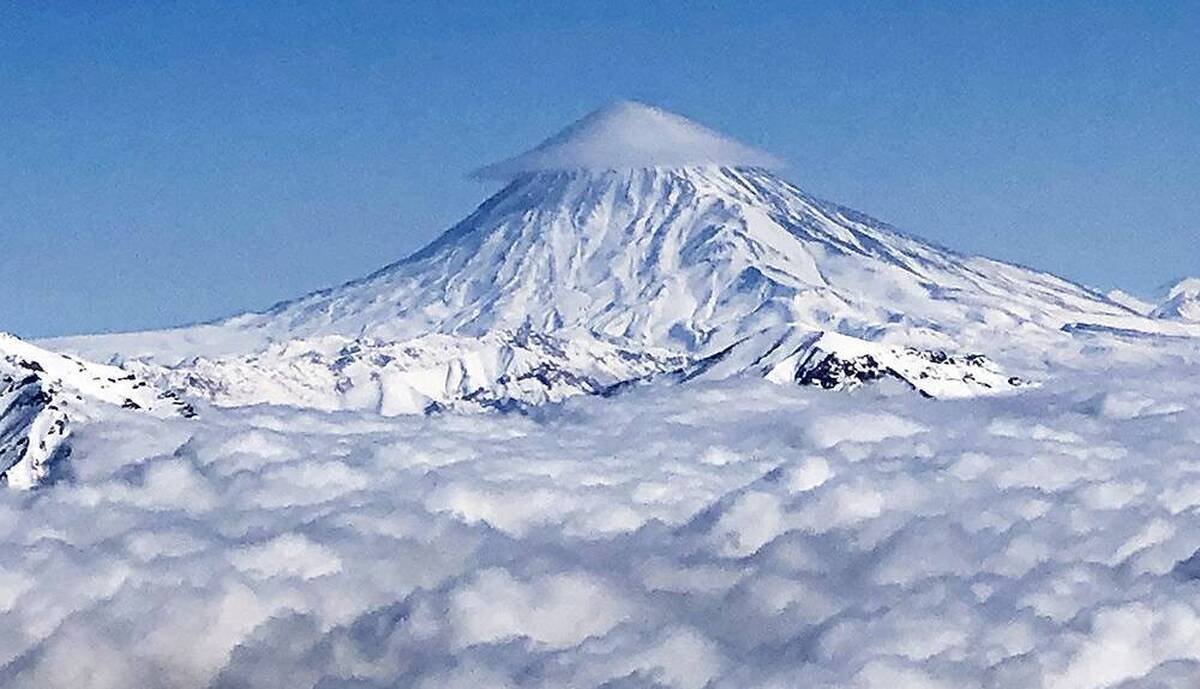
(689, 259)
(634, 235)
(42, 393)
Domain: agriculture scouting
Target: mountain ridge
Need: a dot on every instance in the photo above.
(1180, 301)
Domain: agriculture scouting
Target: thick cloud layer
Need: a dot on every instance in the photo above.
(733, 535)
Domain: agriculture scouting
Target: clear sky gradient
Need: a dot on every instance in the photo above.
(164, 164)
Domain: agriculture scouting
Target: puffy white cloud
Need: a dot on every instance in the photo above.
(1129, 641)
(861, 427)
(749, 522)
(287, 555)
(558, 610)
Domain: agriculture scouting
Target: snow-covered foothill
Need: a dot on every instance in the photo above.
(497, 371)
(42, 391)
(838, 362)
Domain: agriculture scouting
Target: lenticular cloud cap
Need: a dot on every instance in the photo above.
(629, 135)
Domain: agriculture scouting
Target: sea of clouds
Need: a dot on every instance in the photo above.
(730, 535)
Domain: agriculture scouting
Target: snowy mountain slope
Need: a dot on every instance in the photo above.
(41, 392)
(637, 228)
(689, 259)
(1181, 303)
(33, 431)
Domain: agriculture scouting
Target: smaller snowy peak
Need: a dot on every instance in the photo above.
(1181, 301)
(631, 135)
(837, 362)
(42, 393)
(833, 361)
(83, 380)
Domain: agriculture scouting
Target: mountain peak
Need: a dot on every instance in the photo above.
(626, 135)
(1189, 286)
(1181, 302)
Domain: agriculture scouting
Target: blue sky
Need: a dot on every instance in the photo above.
(168, 163)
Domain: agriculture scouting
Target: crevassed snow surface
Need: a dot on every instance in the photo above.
(728, 535)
